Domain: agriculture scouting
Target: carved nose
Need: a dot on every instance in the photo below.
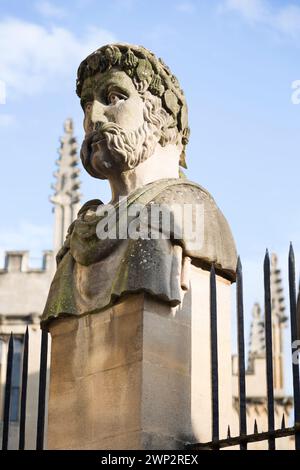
(98, 113)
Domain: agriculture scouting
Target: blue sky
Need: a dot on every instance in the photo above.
(236, 61)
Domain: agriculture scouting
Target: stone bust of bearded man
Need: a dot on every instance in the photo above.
(136, 132)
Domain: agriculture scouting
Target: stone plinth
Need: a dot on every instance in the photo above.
(137, 375)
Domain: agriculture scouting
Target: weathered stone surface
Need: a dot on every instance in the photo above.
(127, 368)
(113, 383)
(94, 273)
(143, 67)
(137, 375)
(136, 131)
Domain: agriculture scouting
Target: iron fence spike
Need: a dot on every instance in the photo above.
(42, 392)
(269, 349)
(241, 352)
(294, 336)
(24, 392)
(214, 354)
(7, 393)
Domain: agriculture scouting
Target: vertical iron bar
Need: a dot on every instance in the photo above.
(255, 427)
(214, 355)
(7, 398)
(293, 319)
(269, 349)
(298, 313)
(241, 352)
(42, 392)
(24, 393)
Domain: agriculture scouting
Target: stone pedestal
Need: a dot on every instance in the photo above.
(137, 375)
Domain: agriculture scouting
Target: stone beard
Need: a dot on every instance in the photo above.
(126, 148)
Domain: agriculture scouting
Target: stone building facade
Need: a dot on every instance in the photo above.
(23, 293)
(23, 290)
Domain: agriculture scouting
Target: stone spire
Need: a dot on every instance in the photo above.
(66, 196)
(279, 322)
(257, 333)
(278, 305)
(257, 347)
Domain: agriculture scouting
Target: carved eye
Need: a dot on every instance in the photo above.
(113, 97)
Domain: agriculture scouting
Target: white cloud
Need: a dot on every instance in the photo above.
(288, 20)
(2, 92)
(49, 10)
(252, 10)
(185, 7)
(284, 19)
(34, 57)
(6, 120)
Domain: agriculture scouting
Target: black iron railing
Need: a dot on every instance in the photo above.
(23, 400)
(243, 439)
(24, 394)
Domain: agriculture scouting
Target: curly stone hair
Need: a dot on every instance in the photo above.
(148, 74)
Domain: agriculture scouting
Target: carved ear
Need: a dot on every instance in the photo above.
(168, 127)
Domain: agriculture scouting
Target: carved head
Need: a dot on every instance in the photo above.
(131, 103)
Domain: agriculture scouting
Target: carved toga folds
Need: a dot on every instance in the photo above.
(93, 274)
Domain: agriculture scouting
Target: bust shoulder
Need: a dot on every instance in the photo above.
(218, 245)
